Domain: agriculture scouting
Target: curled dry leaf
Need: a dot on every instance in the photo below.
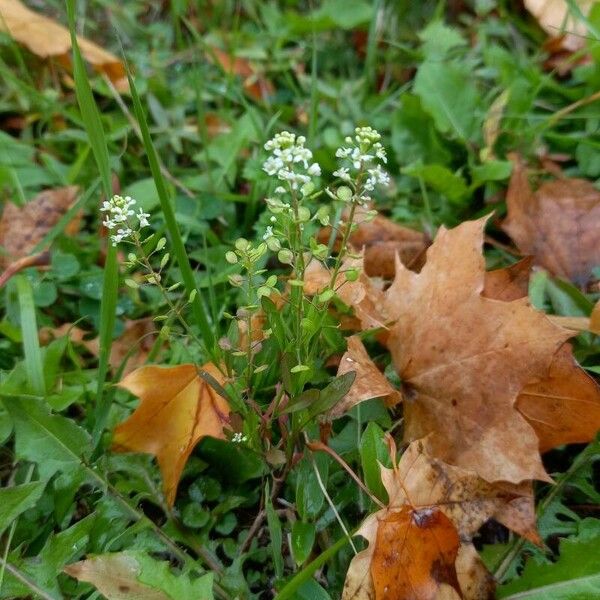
(559, 224)
(115, 576)
(369, 382)
(177, 409)
(422, 486)
(381, 240)
(46, 38)
(464, 358)
(22, 228)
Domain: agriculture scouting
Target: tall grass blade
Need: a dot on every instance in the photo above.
(95, 133)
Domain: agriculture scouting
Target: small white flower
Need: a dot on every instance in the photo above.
(143, 218)
(342, 173)
(314, 170)
(279, 190)
(238, 438)
(268, 233)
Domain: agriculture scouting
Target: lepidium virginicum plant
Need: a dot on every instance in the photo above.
(276, 341)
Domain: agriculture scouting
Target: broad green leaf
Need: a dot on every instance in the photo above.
(491, 170)
(309, 496)
(447, 92)
(236, 462)
(441, 179)
(16, 500)
(303, 538)
(54, 442)
(438, 39)
(575, 576)
(373, 451)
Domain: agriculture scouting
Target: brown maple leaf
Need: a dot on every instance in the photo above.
(381, 240)
(563, 406)
(177, 409)
(369, 382)
(463, 359)
(559, 224)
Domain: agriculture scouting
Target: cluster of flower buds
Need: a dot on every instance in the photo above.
(120, 218)
(290, 161)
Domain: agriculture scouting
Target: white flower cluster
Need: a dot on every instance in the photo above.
(118, 221)
(238, 438)
(290, 161)
(362, 153)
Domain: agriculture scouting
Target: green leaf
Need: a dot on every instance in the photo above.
(52, 441)
(330, 395)
(303, 538)
(441, 179)
(575, 576)
(438, 39)
(275, 533)
(373, 451)
(449, 95)
(491, 170)
(236, 462)
(16, 500)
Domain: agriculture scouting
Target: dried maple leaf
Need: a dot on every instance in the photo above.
(563, 406)
(369, 382)
(22, 228)
(46, 38)
(559, 224)
(423, 486)
(177, 409)
(381, 240)
(463, 359)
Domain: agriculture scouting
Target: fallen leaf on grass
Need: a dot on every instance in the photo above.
(463, 359)
(115, 577)
(564, 406)
(177, 409)
(558, 21)
(46, 38)
(559, 224)
(421, 487)
(22, 228)
(369, 383)
(382, 239)
(255, 84)
(134, 575)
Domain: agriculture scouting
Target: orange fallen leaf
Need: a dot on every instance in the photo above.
(421, 485)
(369, 382)
(559, 224)
(463, 359)
(381, 239)
(22, 228)
(509, 283)
(177, 409)
(46, 38)
(255, 84)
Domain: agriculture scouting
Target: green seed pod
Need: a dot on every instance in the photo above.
(344, 193)
(231, 257)
(285, 256)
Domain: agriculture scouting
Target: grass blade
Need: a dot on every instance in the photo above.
(198, 308)
(31, 345)
(95, 132)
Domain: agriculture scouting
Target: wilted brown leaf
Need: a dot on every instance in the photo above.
(22, 228)
(509, 283)
(369, 383)
(177, 409)
(115, 576)
(255, 84)
(381, 239)
(46, 38)
(463, 360)
(559, 224)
